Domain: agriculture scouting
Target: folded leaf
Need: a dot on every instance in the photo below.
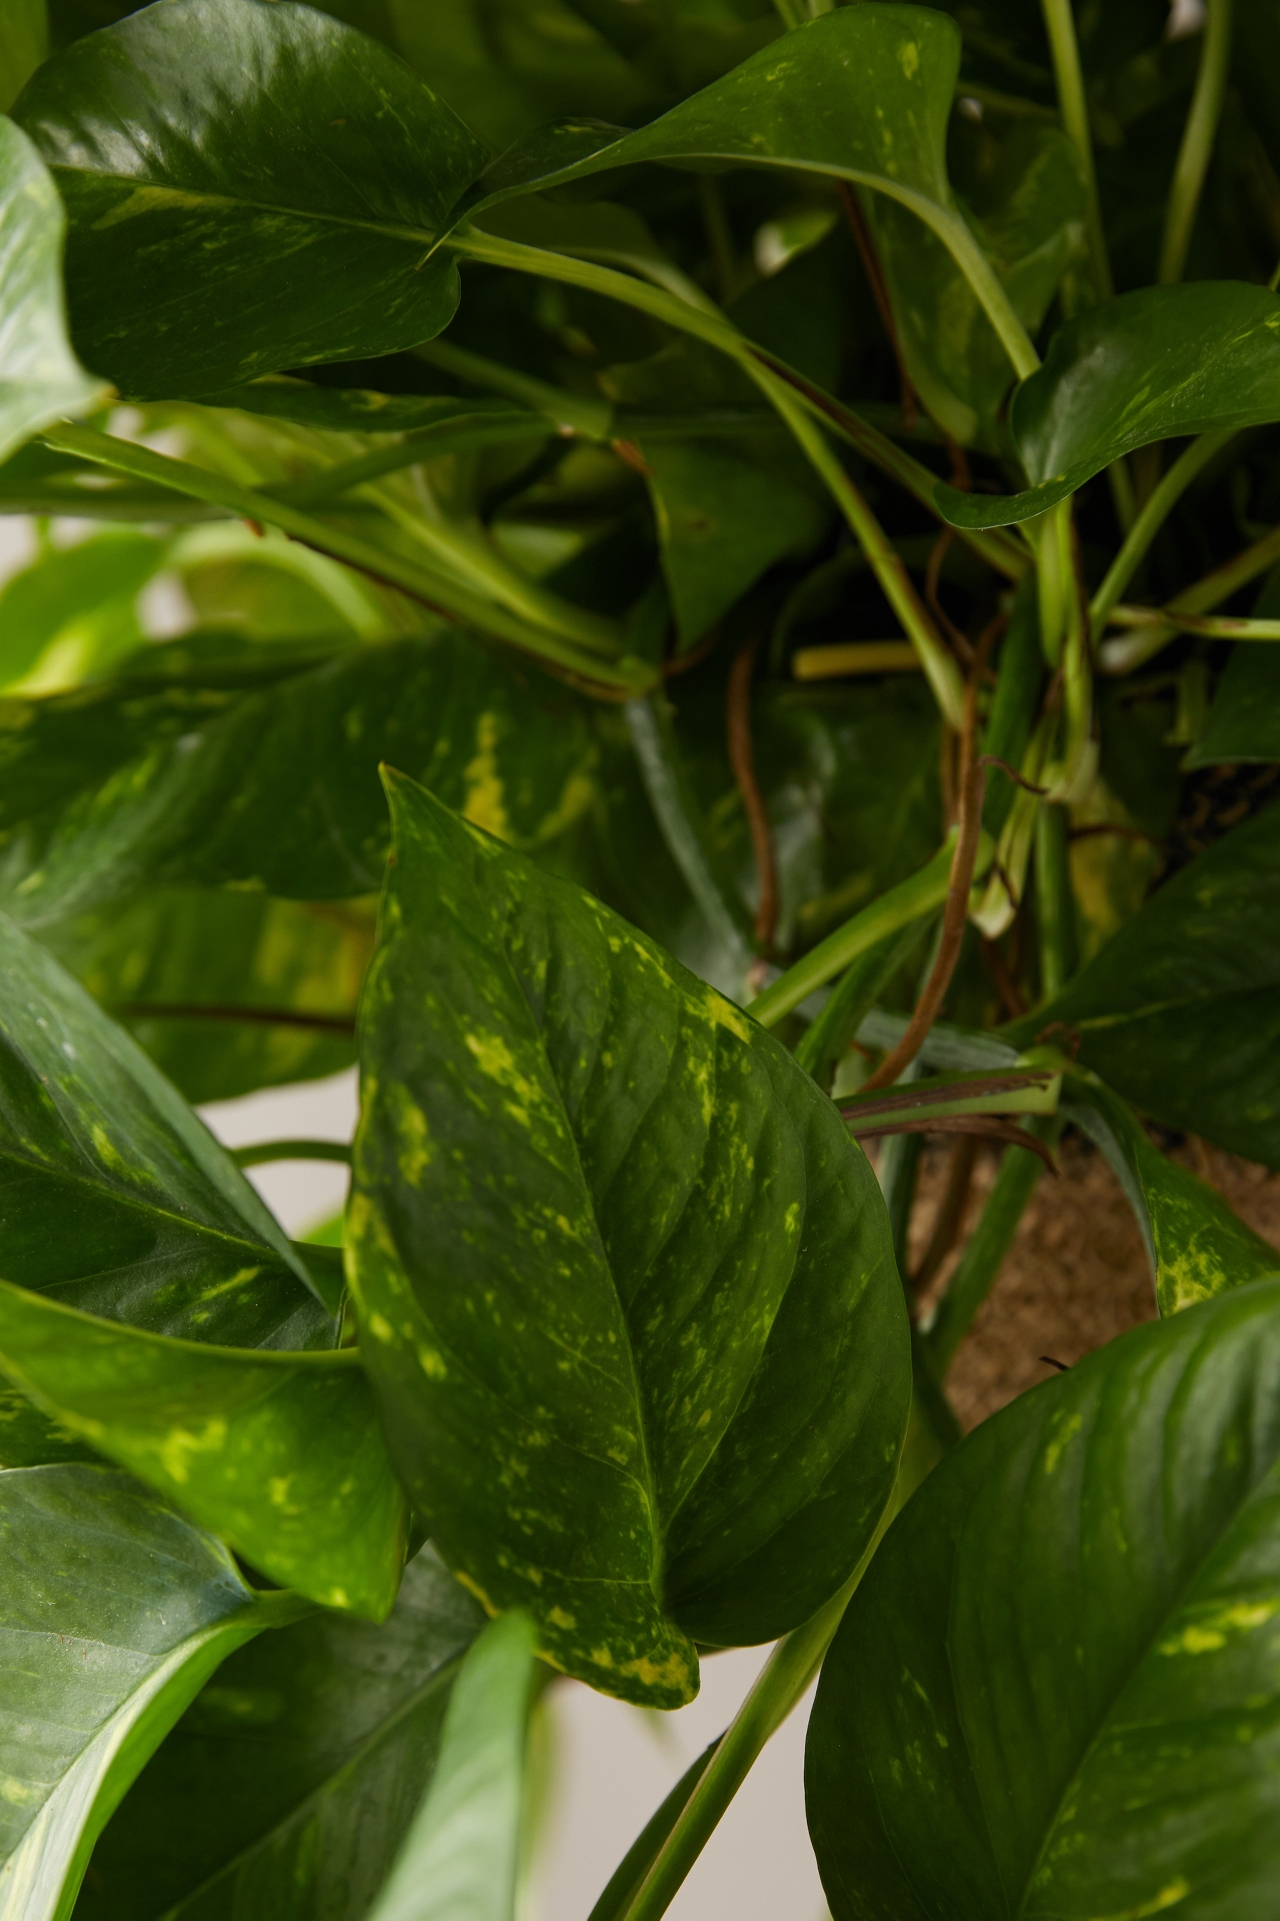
(1197, 1246)
(279, 1454)
(114, 1612)
(1179, 1011)
(625, 1286)
(288, 1786)
(1147, 366)
(40, 378)
(272, 149)
(461, 1854)
(1054, 1692)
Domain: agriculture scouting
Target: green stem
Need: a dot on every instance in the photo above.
(780, 1685)
(1197, 142)
(1121, 656)
(626, 1880)
(568, 413)
(292, 1151)
(923, 893)
(1060, 26)
(826, 1040)
(1055, 905)
(984, 1256)
(1150, 518)
(441, 592)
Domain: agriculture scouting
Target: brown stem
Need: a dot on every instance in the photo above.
(265, 1016)
(742, 759)
(991, 1130)
(1013, 1001)
(937, 555)
(879, 293)
(955, 1199)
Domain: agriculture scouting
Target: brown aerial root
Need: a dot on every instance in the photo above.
(742, 760)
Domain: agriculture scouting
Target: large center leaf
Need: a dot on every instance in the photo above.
(1055, 1692)
(625, 1286)
(271, 152)
(1147, 366)
(113, 1614)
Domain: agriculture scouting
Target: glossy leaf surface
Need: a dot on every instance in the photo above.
(1179, 1011)
(1196, 1245)
(279, 1454)
(113, 1613)
(117, 1200)
(285, 1791)
(183, 141)
(461, 1854)
(1071, 1706)
(624, 1284)
(1146, 366)
(278, 789)
(40, 378)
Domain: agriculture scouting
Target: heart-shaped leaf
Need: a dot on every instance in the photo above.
(295, 161)
(298, 1768)
(1179, 1011)
(1146, 366)
(1054, 1692)
(625, 1285)
(40, 378)
(114, 1612)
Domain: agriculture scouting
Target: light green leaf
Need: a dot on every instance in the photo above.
(114, 1612)
(460, 1856)
(279, 1454)
(1054, 1693)
(24, 43)
(285, 1791)
(40, 378)
(1197, 1246)
(298, 163)
(625, 1286)
(73, 610)
(1147, 366)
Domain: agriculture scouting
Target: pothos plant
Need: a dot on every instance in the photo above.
(803, 567)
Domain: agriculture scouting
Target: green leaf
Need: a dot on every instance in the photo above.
(1147, 366)
(73, 611)
(114, 1612)
(29, 1438)
(216, 965)
(1071, 1705)
(625, 1286)
(1179, 1011)
(358, 410)
(1244, 721)
(117, 1200)
(1196, 1245)
(461, 1854)
(40, 378)
(1026, 201)
(288, 1786)
(24, 43)
(280, 791)
(279, 1454)
(294, 160)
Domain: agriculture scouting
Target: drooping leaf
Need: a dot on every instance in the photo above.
(1027, 202)
(296, 161)
(1197, 1245)
(1054, 1692)
(1145, 366)
(287, 1787)
(247, 991)
(279, 1454)
(280, 790)
(461, 1854)
(625, 1287)
(1179, 1011)
(114, 1612)
(40, 378)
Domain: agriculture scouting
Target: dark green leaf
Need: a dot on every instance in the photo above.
(358, 410)
(1244, 721)
(29, 1438)
(288, 157)
(286, 1789)
(1197, 1246)
(114, 1612)
(1179, 1011)
(281, 790)
(625, 1286)
(40, 379)
(461, 1854)
(1054, 1693)
(279, 1454)
(1146, 366)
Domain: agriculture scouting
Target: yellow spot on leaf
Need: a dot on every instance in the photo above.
(484, 804)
